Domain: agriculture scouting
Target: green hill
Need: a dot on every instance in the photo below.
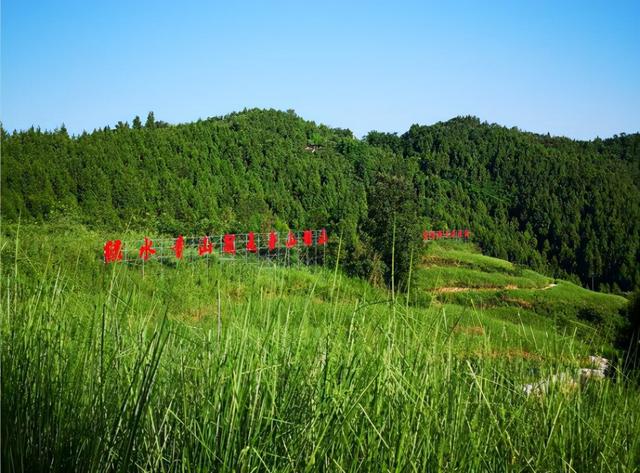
(233, 366)
(566, 208)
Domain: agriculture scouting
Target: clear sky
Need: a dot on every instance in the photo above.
(567, 68)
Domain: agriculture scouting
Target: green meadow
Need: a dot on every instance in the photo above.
(247, 366)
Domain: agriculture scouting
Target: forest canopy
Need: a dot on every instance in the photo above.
(568, 208)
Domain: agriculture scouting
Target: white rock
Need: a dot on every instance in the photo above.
(599, 363)
(587, 374)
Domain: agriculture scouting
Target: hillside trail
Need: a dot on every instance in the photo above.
(508, 287)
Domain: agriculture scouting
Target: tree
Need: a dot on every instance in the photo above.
(629, 338)
(393, 226)
(137, 123)
(151, 121)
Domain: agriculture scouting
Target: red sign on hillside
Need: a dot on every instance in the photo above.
(178, 247)
(307, 238)
(112, 251)
(322, 239)
(268, 245)
(251, 243)
(146, 250)
(273, 240)
(429, 235)
(229, 244)
(291, 241)
(206, 247)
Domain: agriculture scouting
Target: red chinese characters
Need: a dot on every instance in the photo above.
(112, 251)
(273, 240)
(146, 250)
(205, 247)
(307, 238)
(291, 241)
(437, 235)
(322, 239)
(251, 243)
(178, 247)
(229, 244)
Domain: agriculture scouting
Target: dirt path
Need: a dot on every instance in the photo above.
(509, 287)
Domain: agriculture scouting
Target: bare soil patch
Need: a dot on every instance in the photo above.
(508, 287)
(450, 289)
(473, 330)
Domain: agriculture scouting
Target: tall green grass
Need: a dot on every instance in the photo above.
(104, 370)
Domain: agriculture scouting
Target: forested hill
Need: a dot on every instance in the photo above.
(561, 206)
(535, 199)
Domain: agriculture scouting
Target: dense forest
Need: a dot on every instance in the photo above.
(568, 208)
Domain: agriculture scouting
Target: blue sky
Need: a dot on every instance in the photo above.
(567, 68)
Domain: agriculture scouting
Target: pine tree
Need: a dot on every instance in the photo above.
(151, 121)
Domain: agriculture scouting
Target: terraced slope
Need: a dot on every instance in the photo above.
(457, 274)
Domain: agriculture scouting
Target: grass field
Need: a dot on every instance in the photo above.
(458, 274)
(242, 367)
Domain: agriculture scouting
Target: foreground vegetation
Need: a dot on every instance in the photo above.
(244, 367)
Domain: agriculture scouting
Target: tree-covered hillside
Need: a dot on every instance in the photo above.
(561, 206)
(569, 205)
